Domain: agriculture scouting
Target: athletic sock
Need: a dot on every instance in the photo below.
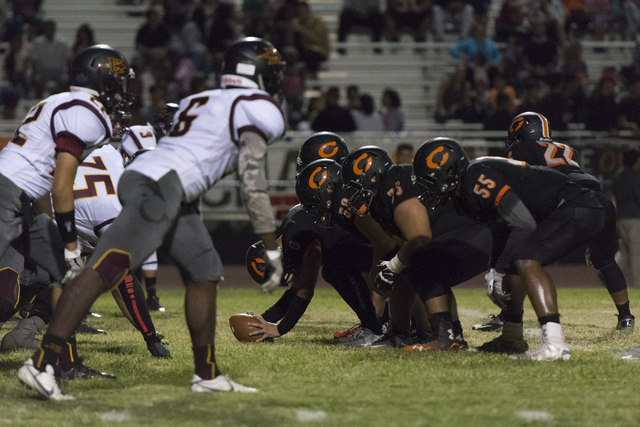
(457, 329)
(513, 318)
(205, 361)
(549, 318)
(623, 310)
(69, 354)
(436, 319)
(133, 297)
(150, 284)
(48, 352)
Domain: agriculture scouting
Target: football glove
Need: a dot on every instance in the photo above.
(274, 271)
(74, 265)
(493, 280)
(386, 277)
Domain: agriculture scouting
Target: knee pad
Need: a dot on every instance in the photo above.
(112, 267)
(9, 286)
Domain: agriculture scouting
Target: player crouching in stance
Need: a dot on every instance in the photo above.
(215, 132)
(539, 214)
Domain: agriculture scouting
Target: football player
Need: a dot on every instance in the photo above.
(434, 250)
(309, 242)
(215, 132)
(539, 214)
(529, 139)
(56, 136)
(135, 140)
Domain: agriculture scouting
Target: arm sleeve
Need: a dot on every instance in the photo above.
(296, 309)
(253, 181)
(521, 223)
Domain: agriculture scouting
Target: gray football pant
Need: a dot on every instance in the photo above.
(33, 235)
(153, 216)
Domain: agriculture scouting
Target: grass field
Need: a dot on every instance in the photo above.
(304, 379)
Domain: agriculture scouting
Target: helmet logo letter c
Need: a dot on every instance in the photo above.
(359, 171)
(516, 124)
(255, 268)
(312, 183)
(430, 162)
(323, 150)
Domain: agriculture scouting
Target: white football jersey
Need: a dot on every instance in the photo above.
(29, 158)
(95, 193)
(137, 138)
(202, 145)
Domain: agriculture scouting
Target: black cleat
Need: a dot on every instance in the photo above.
(90, 330)
(83, 372)
(626, 323)
(493, 325)
(153, 304)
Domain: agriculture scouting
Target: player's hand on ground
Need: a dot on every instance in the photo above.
(495, 291)
(74, 265)
(268, 330)
(385, 279)
(274, 270)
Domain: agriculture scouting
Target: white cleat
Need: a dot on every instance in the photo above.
(633, 355)
(44, 382)
(547, 351)
(219, 383)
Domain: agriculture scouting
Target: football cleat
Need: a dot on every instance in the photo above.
(633, 355)
(84, 328)
(494, 324)
(219, 383)
(83, 372)
(362, 338)
(394, 339)
(553, 346)
(444, 341)
(505, 346)
(348, 332)
(153, 304)
(44, 382)
(626, 323)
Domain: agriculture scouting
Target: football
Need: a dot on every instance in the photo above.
(240, 328)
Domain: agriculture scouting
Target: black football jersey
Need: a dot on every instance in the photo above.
(487, 179)
(341, 214)
(555, 155)
(395, 187)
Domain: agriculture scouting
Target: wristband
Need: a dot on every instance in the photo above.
(396, 265)
(67, 226)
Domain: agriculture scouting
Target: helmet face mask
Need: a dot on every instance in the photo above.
(362, 171)
(315, 186)
(437, 167)
(528, 127)
(163, 119)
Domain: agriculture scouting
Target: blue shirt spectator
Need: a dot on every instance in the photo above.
(470, 46)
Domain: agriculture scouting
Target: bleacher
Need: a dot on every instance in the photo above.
(413, 69)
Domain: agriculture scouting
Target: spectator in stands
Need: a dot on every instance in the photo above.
(530, 100)
(499, 87)
(255, 18)
(573, 63)
(540, 53)
(189, 46)
(152, 45)
(403, 154)
(554, 105)
(175, 14)
(333, 118)
(311, 37)
(84, 39)
(455, 11)
(576, 96)
(500, 117)
(601, 109)
(15, 65)
(361, 13)
(222, 32)
(392, 114)
(477, 42)
(578, 19)
(479, 99)
(512, 67)
(626, 188)
(24, 12)
(293, 87)
(367, 118)
(629, 109)
(453, 96)
(631, 10)
(413, 14)
(549, 13)
(353, 97)
(49, 60)
(509, 21)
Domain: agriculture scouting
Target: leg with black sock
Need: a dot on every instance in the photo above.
(71, 366)
(616, 284)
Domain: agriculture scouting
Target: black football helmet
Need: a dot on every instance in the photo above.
(256, 261)
(528, 127)
(361, 174)
(322, 145)
(437, 167)
(105, 70)
(315, 185)
(252, 62)
(163, 119)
